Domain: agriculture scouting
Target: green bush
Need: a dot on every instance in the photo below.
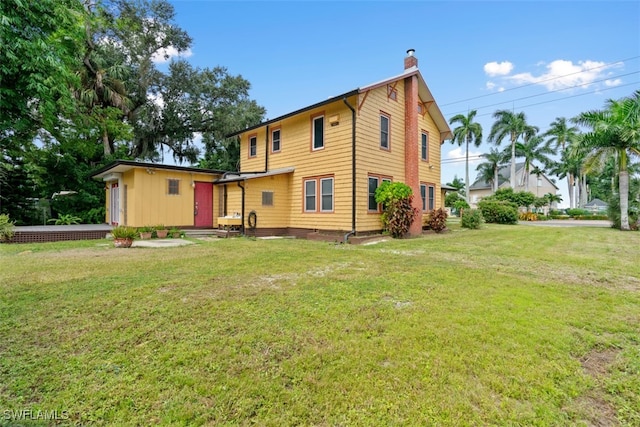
(577, 212)
(472, 218)
(437, 220)
(6, 228)
(499, 211)
(398, 213)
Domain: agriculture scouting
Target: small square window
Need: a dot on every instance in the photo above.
(173, 187)
(267, 198)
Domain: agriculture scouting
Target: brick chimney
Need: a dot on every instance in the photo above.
(410, 60)
(411, 159)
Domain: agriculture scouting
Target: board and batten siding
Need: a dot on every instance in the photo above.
(296, 151)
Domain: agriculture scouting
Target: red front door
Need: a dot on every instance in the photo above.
(203, 206)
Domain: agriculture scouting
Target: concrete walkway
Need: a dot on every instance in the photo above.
(568, 223)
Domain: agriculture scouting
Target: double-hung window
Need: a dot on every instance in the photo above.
(427, 192)
(384, 131)
(317, 135)
(424, 146)
(318, 194)
(253, 146)
(275, 141)
(374, 183)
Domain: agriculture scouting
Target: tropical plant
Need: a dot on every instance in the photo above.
(489, 170)
(6, 227)
(468, 132)
(458, 184)
(124, 232)
(615, 132)
(437, 220)
(560, 136)
(512, 125)
(66, 219)
(533, 149)
(399, 213)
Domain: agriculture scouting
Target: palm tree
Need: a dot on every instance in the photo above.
(457, 184)
(533, 149)
(514, 126)
(615, 132)
(552, 198)
(489, 169)
(468, 131)
(560, 134)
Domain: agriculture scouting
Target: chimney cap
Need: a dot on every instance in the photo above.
(410, 52)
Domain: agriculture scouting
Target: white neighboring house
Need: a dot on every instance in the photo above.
(539, 186)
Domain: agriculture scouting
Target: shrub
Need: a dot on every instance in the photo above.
(66, 219)
(528, 216)
(499, 211)
(398, 214)
(472, 218)
(124, 232)
(437, 220)
(577, 212)
(6, 228)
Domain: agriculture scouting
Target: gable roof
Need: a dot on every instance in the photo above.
(596, 203)
(423, 92)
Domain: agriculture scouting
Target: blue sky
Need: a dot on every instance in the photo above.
(545, 58)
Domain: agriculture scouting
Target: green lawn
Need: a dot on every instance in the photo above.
(508, 325)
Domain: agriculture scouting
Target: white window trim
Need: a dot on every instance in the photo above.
(313, 134)
(322, 195)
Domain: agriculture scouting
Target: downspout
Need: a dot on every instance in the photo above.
(353, 171)
(266, 152)
(242, 213)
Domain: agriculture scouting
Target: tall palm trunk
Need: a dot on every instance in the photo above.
(570, 182)
(495, 179)
(105, 142)
(513, 161)
(466, 176)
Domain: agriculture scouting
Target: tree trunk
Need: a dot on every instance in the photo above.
(623, 179)
(496, 182)
(583, 190)
(466, 176)
(570, 183)
(512, 181)
(105, 143)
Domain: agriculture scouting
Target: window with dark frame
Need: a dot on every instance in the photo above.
(173, 187)
(424, 146)
(318, 133)
(384, 132)
(423, 194)
(253, 146)
(374, 183)
(267, 198)
(275, 140)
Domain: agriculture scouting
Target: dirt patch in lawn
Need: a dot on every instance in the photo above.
(593, 406)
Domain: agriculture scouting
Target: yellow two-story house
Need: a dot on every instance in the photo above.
(317, 168)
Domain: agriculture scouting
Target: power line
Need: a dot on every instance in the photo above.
(566, 97)
(541, 81)
(555, 91)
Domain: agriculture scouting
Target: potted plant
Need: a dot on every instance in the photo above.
(145, 232)
(123, 236)
(161, 231)
(175, 233)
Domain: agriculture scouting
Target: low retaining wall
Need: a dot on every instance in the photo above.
(56, 233)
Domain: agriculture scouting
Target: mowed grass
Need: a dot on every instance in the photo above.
(508, 325)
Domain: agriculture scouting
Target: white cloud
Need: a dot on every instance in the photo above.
(562, 74)
(166, 54)
(490, 85)
(498, 68)
(612, 83)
